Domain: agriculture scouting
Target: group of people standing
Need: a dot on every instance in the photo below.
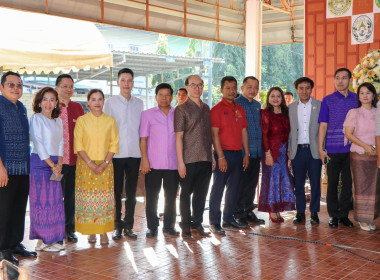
(89, 160)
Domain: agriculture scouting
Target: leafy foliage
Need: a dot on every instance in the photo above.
(192, 48)
(234, 65)
(163, 48)
(281, 66)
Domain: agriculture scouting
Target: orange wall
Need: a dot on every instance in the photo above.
(328, 43)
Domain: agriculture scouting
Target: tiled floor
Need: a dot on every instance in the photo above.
(238, 255)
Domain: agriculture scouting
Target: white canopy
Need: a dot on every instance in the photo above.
(42, 43)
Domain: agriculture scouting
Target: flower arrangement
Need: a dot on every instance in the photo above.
(368, 71)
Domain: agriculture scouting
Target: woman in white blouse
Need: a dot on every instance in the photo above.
(47, 215)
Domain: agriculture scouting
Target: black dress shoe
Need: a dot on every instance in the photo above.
(150, 233)
(117, 234)
(346, 222)
(234, 224)
(217, 229)
(7, 255)
(171, 231)
(333, 222)
(70, 236)
(314, 219)
(201, 231)
(242, 222)
(186, 233)
(130, 233)
(299, 218)
(251, 217)
(21, 251)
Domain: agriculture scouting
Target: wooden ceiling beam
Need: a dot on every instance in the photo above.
(275, 8)
(285, 4)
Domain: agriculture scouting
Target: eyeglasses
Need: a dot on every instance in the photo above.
(13, 85)
(196, 86)
(67, 87)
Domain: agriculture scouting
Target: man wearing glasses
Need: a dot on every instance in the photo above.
(192, 126)
(14, 168)
(70, 112)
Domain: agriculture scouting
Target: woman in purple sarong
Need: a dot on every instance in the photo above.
(47, 215)
(276, 193)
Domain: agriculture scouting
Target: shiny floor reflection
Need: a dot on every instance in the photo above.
(238, 255)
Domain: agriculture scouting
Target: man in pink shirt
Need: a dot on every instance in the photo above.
(159, 160)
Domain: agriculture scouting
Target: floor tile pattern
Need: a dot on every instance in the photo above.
(238, 255)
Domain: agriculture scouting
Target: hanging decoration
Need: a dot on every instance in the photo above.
(362, 29)
(376, 6)
(338, 8)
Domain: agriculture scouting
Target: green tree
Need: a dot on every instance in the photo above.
(163, 48)
(162, 44)
(234, 65)
(281, 65)
(216, 94)
(192, 47)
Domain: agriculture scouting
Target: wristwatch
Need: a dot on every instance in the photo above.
(106, 161)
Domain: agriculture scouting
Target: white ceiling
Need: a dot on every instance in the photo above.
(202, 19)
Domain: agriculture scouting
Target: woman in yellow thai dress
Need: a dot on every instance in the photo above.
(96, 140)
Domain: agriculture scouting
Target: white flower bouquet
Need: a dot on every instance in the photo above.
(368, 71)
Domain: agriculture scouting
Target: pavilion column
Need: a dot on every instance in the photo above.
(253, 30)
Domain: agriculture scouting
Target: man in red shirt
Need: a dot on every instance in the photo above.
(229, 136)
(69, 113)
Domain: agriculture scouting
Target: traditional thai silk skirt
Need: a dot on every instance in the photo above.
(94, 199)
(276, 193)
(47, 213)
(365, 187)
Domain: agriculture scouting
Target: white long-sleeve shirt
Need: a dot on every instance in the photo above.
(47, 136)
(127, 114)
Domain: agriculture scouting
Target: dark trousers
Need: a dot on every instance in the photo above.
(196, 183)
(68, 191)
(248, 183)
(126, 173)
(304, 163)
(153, 181)
(13, 200)
(339, 165)
(230, 180)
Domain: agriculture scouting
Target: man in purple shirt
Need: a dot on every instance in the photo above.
(333, 112)
(159, 160)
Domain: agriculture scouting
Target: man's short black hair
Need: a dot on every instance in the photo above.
(182, 88)
(125, 71)
(164, 85)
(252, 78)
(343, 69)
(62, 76)
(227, 79)
(9, 73)
(302, 80)
(188, 78)
(289, 93)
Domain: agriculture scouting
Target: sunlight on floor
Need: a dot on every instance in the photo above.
(150, 255)
(130, 256)
(172, 250)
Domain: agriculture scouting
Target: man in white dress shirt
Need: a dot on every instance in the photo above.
(303, 149)
(126, 109)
